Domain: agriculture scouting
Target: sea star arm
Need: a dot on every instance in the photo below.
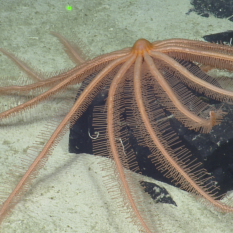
(209, 89)
(171, 162)
(76, 74)
(191, 120)
(47, 149)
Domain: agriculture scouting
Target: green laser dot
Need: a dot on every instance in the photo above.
(69, 8)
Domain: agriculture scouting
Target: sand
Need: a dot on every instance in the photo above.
(69, 194)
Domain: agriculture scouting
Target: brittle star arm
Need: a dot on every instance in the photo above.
(182, 174)
(74, 76)
(55, 137)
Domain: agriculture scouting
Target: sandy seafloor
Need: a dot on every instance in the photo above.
(69, 195)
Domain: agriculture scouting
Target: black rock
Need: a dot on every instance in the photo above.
(220, 9)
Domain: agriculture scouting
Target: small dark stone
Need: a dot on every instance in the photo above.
(157, 193)
(220, 9)
(221, 37)
(206, 15)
